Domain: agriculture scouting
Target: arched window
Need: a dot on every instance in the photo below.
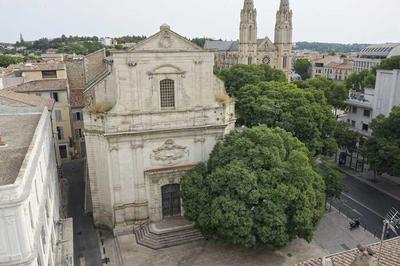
(167, 93)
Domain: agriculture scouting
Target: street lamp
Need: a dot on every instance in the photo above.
(392, 220)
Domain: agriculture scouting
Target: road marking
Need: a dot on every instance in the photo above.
(353, 210)
(362, 205)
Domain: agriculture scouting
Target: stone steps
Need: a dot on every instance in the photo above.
(147, 237)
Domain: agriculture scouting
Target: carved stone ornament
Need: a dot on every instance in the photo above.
(169, 152)
(165, 40)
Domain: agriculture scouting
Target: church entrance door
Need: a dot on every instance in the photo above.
(171, 200)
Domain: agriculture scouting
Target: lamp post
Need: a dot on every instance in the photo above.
(392, 220)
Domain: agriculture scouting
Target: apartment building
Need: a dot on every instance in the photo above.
(32, 232)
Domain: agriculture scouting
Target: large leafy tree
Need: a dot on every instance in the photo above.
(258, 188)
(345, 137)
(239, 76)
(382, 149)
(360, 81)
(304, 112)
(335, 93)
(302, 67)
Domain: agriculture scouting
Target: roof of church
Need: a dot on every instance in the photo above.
(231, 46)
(222, 45)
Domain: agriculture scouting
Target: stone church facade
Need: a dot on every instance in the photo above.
(155, 112)
(251, 50)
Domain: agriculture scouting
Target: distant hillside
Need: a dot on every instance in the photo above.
(330, 47)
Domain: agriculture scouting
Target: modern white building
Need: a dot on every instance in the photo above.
(31, 229)
(359, 115)
(387, 92)
(155, 113)
(363, 107)
(373, 55)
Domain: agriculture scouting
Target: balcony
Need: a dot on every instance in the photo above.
(360, 99)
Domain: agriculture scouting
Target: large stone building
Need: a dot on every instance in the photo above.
(251, 50)
(32, 232)
(156, 112)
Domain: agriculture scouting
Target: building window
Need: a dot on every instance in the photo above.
(354, 109)
(249, 60)
(367, 113)
(353, 123)
(77, 116)
(49, 74)
(365, 127)
(63, 151)
(284, 62)
(167, 93)
(38, 93)
(58, 115)
(60, 133)
(54, 96)
(78, 133)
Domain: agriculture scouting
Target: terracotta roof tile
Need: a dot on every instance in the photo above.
(41, 85)
(390, 255)
(48, 65)
(32, 100)
(76, 98)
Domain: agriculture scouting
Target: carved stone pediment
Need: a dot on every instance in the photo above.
(169, 153)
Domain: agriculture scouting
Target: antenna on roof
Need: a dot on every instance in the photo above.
(392, 220)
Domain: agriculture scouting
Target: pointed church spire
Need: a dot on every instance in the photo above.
(284, 5)
(248, 5)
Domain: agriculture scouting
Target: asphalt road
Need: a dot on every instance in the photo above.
(86, 247)
(367, 203)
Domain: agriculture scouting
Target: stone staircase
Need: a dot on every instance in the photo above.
(149, 236)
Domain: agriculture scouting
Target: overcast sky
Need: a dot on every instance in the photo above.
(343, 21)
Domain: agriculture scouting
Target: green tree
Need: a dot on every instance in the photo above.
(345, 137)
(382, 149)
(303, 68)
(258, 188)
(333, 180)
(239, 76)
(304, 112)
(335, 93)
(6, 60)
(360, 81)
(388, 64)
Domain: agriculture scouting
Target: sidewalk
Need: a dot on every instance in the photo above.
(331, 236)
(386, 184)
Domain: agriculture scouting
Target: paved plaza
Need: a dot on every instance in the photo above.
(331, 236)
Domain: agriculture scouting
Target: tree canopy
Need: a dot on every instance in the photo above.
(258, 188)
(335, 93)
(360, 81)
(304, 112)
(366, 78)
(345, 137)
(302, 67)
(239, 76)
(382, 149)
